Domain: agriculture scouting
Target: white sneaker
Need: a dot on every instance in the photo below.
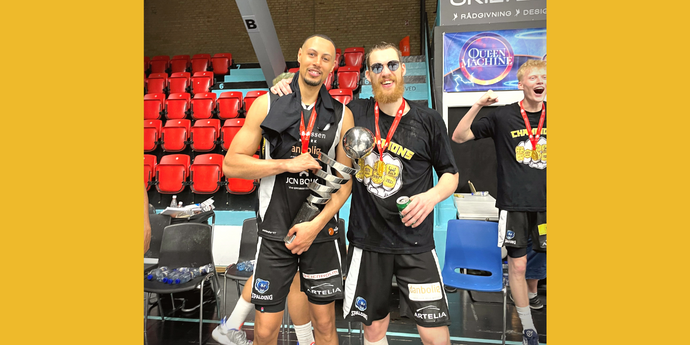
(229, 336)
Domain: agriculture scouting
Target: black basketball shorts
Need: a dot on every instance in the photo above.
(368, 286)
(320, 274)
(518, 227)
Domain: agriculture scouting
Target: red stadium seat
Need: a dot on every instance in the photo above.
(147, 63)
(175, 135)
(177, 106)
(149, 170)
(180, 63)
(229, 105)
(241, 186)
(203, 105)
(157, 83)
(329, 81)
(153, 106)
(160, 64)
(172, 173)
(229, 130)
(201, 62)
(179, 82)
(250, 97)
(205, 134)
(338, 56)
(354, 56)
(343, 96)
(293, 70)
(152, 134)
(221, 63)
(348, 77)
(205, 74)
(206, 173)
(201, 82)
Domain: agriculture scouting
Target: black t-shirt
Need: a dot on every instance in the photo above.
(282, 195)
(419, 144)
(521, 177)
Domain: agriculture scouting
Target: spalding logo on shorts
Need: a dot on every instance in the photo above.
(361, 304)
(261, 285)
(510, 234)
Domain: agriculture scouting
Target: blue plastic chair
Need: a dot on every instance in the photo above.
(471, 244)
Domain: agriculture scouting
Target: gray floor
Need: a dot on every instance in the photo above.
(476, 319)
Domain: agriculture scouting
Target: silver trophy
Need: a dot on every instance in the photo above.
(358, 142)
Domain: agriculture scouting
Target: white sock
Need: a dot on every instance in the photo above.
(304, 334)
(525, 315)
(239, 314)
(382, 341)
(531, 295)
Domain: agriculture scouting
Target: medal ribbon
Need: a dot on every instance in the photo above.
(394, 126)
(533, 138)
(305, 134)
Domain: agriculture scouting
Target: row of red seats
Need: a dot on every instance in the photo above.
(206, 132)
(220, 63)
(229, 105)
(203, 136)
(204, 175)
(347, 77)
(178, 82)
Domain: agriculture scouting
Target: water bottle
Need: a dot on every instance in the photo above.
(187, 276)
(249, 267)
(206, 269)
(179, 204)
(241, 266)
(173, 277)
(158, 273)
(173, 203)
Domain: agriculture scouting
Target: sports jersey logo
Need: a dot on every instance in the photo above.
(361, 303)
(430, 312)
(261, 285)
(315, 276)
(386, 185)
(325, 289)
(428, 308)
(510, 234)
(425, 292)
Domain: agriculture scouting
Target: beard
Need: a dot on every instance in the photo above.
(383, 96)
(311, 82)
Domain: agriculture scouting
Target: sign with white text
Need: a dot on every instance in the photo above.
(461, 12)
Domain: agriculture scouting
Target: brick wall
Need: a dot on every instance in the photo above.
(176, 27)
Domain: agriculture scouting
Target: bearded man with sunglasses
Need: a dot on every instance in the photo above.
(410, 141)
(519, 134)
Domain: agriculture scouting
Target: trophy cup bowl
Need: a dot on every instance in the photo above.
(358, 142)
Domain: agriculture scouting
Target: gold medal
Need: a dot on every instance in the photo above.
(360, 172)
(535, 155)
(380, 168)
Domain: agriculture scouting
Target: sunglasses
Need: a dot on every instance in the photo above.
(378, 67)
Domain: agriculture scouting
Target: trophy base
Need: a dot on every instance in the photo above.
(306, 213)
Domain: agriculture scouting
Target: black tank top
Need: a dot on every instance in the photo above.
(282, 195)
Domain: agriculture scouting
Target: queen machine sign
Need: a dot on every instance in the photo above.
(479, 61)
